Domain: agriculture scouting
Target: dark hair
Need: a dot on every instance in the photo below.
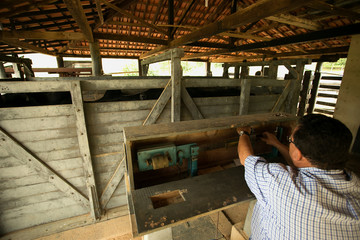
(324, 141)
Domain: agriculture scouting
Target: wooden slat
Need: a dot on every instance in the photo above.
(41, 217)
(112, 184)
(38, 124)
(245, 96)
(15, 149)
(35, 112)
(73, 222)
(159, 105)
(123, 84)
(24, 87)
(85, 149)
(210, 82)
(189, 103)
(277, 106)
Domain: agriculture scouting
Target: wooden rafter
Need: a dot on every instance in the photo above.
(334, 9)
(78, 14)
(296, 21)
(16, 10)
(258, 10)
(49, 35)
(129, 15)
(22, 44)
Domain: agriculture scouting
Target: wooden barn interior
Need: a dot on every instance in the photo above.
(73, 148)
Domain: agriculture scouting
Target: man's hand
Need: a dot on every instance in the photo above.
(270, 139)
(245, 129)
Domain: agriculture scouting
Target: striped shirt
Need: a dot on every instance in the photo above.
(308, 203)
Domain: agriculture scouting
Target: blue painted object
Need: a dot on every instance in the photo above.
(174, 154)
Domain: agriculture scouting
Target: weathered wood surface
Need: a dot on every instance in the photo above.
(84, 148)
(50, 132)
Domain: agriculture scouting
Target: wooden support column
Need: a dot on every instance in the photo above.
(77, 101)
(294, 94)
(314, 88)
(60, 64)
(304, 93)
(273, 69)
(237, 72)
(208, 69)
(140, 68)
(226, 70)
(17, 69)
(95, 58)
(244, 72)
(245, 96)
(176, 75)
(2, 71)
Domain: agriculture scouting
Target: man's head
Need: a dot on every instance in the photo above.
(323, 141)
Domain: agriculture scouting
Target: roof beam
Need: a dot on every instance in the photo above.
(256, 11)
(243, 35)
(14, 10)
(312, 36)
(334, 10)
(128, 38)
(296, 21)
(78, 14)
(26, 45)
(49, 35)
(129, 15)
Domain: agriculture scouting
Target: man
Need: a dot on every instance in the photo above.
(314, 197)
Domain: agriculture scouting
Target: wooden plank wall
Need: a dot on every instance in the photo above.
(27, 199)
(50, 133)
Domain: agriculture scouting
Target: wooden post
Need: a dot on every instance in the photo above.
(226, 70)
(145, 69)
(296, 92)
(2, 71)
(208, 69)
(17, 69)
(273, 69)
(244, 96)
(140, 68)
(176, 75)
(95, 58)
(314, 88)
(60, 64)
(77, 101)
(237, 72)
(244, 72)
(304, 93)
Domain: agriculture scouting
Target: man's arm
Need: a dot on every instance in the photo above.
(244, 146)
